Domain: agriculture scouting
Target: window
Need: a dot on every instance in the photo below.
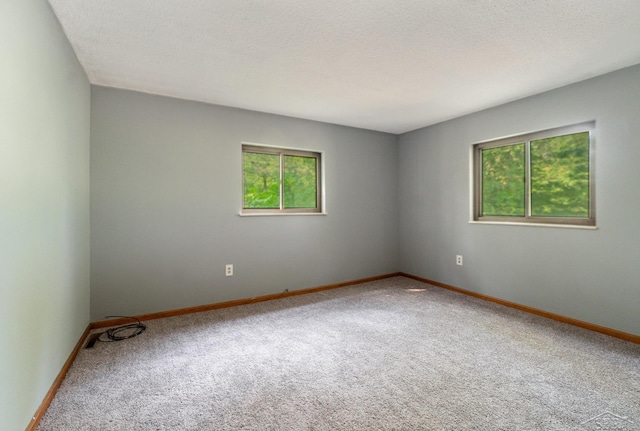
(280, 180)
(544, 177)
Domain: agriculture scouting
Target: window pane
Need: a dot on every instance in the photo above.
(560, 176)
(261, 180)
(300, 182)
(503, 186)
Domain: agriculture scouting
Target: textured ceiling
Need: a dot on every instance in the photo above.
(389, 65)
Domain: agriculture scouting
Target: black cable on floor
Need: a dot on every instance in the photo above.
(123, 332)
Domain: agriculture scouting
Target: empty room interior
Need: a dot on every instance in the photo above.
(199, 165)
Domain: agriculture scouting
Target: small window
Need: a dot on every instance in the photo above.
(280, 180)
(545, 177)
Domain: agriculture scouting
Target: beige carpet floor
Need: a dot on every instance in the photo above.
(394, 354)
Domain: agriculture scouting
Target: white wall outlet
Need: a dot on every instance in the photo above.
(228, 270)
(459, 259)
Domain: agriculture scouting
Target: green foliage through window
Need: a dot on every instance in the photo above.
(300, 182)
(261, 180)
(543, 177)
(560, 176)
(280, 180)
(503, 181)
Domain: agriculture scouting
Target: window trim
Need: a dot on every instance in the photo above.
(285, 151)
(476, 176)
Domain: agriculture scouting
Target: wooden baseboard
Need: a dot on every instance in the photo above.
(557, 317)
(236, 302)
(37, 417)
(33, 424)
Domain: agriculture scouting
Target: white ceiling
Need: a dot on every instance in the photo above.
(388, 65)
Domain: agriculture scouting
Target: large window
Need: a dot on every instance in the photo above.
(279, 180)
(545, 177)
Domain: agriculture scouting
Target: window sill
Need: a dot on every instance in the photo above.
(566, 226)
(280, 214)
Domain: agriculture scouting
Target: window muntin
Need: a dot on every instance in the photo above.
(280, 180)
(544, 177)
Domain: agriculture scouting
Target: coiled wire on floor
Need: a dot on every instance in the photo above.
(123, 332)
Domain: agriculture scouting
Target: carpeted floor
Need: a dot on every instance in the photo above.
(394, 354)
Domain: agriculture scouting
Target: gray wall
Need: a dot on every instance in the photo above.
(592, 275)
(166, 193)
(44, 205)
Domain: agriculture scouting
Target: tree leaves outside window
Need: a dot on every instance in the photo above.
(280, 180)
(544, 179)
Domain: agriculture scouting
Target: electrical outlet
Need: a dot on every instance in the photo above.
(228, 270)
(459, 260)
